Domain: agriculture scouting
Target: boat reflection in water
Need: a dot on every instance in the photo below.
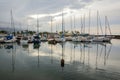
(105, 51)
(11, 48)
(8, 46)
(25, 46)
(36, 46)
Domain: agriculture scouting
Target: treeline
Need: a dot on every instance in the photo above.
(33, 32)
(3, 32)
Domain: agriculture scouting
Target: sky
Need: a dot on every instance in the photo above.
(26, 13)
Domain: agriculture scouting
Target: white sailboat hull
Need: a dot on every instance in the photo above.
(43, 39)
(81, 39)
(60, 39)
(68, 38)
(1, 39)
(101, 39)
(10, 40)
(75, 39)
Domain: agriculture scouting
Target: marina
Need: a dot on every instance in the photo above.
(59, 55)
(59, 40)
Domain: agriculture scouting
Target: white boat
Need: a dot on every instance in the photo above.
(30, 39)
(10, 41)
(75, 39)
(101, 39)
(1, 39)
(81, 39)
(69, 38)
(85, 39)
(43, 39)
(52, 41)
(10, 38)
(60, 39)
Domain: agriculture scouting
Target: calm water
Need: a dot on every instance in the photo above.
(80, 61)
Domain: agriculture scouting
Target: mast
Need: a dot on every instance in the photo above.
(81, 25)
(27, 27)
(51, 54)
(97, 24)
(89, 21)
(96, 63)
(100, 24)
(12, 21)
(71, 22)
(105, 25)
(74, 22)
(105, 56)
(38, 59)
(20, 27)
(62, 25)
(37, 25)
(51, 24)
(84, 23)
(56, 28)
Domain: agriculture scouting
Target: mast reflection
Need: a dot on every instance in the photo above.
(51, 52)
(13, 58)
(37, 46)
(107, 49)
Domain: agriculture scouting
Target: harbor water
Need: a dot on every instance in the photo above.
(61, 61)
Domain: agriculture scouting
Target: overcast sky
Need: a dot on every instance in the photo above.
(26, 11)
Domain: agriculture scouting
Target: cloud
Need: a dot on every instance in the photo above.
(23, 9)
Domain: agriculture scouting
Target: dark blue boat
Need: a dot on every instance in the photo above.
(36, 39)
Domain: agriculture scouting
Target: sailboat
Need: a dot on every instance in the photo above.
(24, 40)
(10, 37)
(101, 38)
(80, 37)
(75, 37)
(107, 38)
(43, 38)
(83, 37)
(36, 37)
(51, 39)
(62, 37)
(69, 38)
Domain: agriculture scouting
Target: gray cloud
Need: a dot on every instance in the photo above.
(23, 8)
